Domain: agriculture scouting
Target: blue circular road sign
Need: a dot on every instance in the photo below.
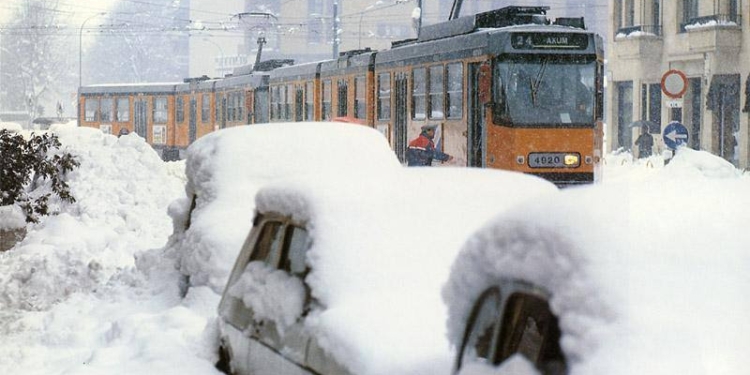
(675, 134)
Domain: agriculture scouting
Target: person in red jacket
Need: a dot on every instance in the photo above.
(421, 150)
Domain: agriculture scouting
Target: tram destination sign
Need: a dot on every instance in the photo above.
(549, 41)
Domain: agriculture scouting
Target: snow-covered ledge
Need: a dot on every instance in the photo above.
(12, 226)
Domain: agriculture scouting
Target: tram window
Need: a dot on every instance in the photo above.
(123, 109)
(159, 135)
(455, 103)
(92, 108)
(106, 109)
(326, 100)
(436, 90)
(275, 103)
(179, 109)
(384, 96)
(159, 114)
(545, 90)
(217, 110)
(288, 90)
(419, 105)
(359, 97)
(205, 107)
(260, 106)
(309, 101)
(342, 108)
(240, 106)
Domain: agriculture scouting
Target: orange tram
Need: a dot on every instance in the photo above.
(508, 89)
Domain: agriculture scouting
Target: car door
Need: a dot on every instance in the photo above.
(251, 341)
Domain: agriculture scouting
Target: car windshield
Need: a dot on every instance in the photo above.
(550, 90)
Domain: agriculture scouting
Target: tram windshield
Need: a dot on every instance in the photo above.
(545, 91)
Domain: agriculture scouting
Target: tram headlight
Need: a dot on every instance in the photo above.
(572, 160)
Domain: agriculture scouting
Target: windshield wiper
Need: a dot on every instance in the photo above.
(537, 82)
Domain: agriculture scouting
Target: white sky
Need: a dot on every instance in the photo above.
(95, 290)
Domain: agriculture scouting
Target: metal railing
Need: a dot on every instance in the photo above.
(646, 29)
(715, 20)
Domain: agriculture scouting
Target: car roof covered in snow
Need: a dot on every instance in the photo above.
(660, 295)
(225, 169)
(381, 250)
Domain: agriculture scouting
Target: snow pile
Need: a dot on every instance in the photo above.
(71, 300)
(227, 167)
(637, 270)
(11, 217)
(121, 192)
(381, 250)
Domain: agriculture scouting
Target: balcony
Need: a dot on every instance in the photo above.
(718, 32)
(639, 42)
(730, 21)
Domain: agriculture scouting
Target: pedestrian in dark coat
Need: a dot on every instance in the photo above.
(421, 150)
(645, 143)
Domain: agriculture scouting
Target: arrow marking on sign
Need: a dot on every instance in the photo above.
(674, 136)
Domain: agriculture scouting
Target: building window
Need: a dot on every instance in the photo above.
(384, 96)
(651, 106)
(179, 109)
(359, 97)
(326, 100)
(159, 114)
(436, 92)
(624, 114)
(689, 11)
(655, 12)
(205, 107)
(123, 109)
(418, 94)
(629, 13)
(455, 86)
(106, 108)
(693, 103)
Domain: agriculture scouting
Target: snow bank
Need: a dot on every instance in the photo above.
(637, 270)
(122, 191)
(227, 167)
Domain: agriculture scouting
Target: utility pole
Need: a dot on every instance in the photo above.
(335, 29)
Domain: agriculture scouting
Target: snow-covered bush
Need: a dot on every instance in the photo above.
(31, 171)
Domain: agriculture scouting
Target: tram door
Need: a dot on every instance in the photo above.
(477, 121)
(140, 117)
(400, 94)
(193, 125)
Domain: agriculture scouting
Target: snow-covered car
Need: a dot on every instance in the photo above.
(226, 168)
(343, 276)
(637, 277)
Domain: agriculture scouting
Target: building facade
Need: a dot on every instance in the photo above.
(708, 41)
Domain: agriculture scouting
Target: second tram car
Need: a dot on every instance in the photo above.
(508, 89)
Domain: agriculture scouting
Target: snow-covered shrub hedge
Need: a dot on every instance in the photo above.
(31, 171)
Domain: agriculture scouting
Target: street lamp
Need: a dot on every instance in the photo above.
(80, 47)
